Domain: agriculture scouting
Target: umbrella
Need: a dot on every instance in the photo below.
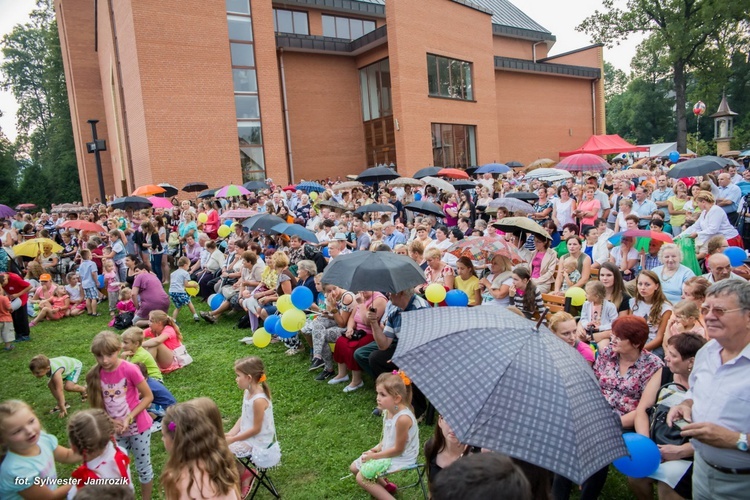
(453, 173)
(641, 233)
(148, 190)
(347, 186)
(464, 184)
(238, 213)
(294, 230)
(427, 171)
(255, 185)
(25, 206)
(425, 207)
(134, 202)
(309, 187)
(6, 212)
(378, 174)
(548, 174)
(698, 166)
(439, 183)
(169, 190)
(208, 193)
(262, 222)
(194, 187)
(290, 187)
(514, 224)
(471, 170)
(379, 271)
(533, 397)
(512, 205)
(540, 163)
(374, 207)
(231, 191)
(33, 247)
(406, 181)
(523, 195)
(71, 208)
(583, 161)
(159, 202)
(84, 225)
(493, 168)
(331, 204)
(515, 164)
(745, 153)
(484, 248)
(631, 173)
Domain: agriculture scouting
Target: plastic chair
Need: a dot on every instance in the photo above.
(420, 468)
(261, 479)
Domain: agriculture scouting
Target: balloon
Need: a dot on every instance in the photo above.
(737, 256)
(284, 303)
(223, 231)
(101, 281)
(302, 297)
(283, 333)
(192, 290)
(577, 296)
(293, 320)
(435, 293)
(202, 218)
(210, 298)
(216, 301)
(699, 108)
(417, 196)
(271, 323)
(326, 253)
(457, 298)
(313, 196)
(674, 156)
(644, 456)
(228, 222)
(261, 338)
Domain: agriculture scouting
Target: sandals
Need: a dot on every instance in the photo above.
(247, 480)
(84, 397)
(56, 409)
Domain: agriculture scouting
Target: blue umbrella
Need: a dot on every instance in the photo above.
(493, 168)
(745, 153)
(294, 230)
(309, 187)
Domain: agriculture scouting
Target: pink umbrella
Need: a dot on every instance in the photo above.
(160, 202)
(230, 191)
(583, 161)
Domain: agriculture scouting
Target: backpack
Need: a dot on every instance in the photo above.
(123, 320)
(244, 323)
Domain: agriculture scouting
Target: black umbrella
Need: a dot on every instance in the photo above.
(374, 207)
(514, 164)
(378, 174)
(427, 172)
(373, 271)
(194, 187)
(169, 190)
(463, 184)
(471, 170)
(523, 195)
(425, 207)
(262, 222)
(698, 166)
(134, 202)
(255, 185)
(208, 193)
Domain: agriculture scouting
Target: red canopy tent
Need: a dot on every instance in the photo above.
(605, 145)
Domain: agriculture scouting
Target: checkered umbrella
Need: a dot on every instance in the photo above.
(504, 386)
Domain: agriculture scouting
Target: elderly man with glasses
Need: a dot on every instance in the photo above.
(716, 411)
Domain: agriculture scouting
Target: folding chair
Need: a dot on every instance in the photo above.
(420, 478)
(261, 479)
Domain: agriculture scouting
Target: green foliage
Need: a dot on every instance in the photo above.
(8, 172)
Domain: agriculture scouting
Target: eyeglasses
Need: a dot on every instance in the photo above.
(718, 311)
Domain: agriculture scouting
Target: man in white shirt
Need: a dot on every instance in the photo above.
(661, 194)
(728, 197)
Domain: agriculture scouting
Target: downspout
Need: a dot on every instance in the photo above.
(533, 50)
(286, 117)
(593, 105)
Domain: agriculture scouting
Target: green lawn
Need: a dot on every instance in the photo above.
(321, 430)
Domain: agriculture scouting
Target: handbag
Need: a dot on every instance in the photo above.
(659, 431)
(358, 334)
(182, 356)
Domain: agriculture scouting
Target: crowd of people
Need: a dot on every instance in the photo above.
(660, 306)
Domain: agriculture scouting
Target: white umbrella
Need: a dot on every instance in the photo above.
(346, 186)
(406, 181)
(548, 174)
(439, 183)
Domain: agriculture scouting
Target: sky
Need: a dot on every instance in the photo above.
(558, 16)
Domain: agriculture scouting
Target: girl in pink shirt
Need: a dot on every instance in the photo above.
(164, 342)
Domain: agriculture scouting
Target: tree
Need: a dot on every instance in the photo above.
(8, 172)
(615, 82)
(684, 28)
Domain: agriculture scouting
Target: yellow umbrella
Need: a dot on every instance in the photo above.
(33, 247)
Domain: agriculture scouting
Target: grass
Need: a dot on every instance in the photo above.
(320, 429)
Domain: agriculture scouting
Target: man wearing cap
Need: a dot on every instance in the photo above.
(17, 288)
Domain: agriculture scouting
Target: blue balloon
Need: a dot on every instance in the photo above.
(216, 300)
(229, 223)
(644, 456)
(326, 253)
(302, 297)
(456, 298)
(101, 281)
(674, 156)
(281, 332)
(736, 256)
(271, 323)
(417, 196)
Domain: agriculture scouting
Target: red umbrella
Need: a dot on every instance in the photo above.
(83, 225)
(453, 173)
(583, 161)
(160, 202)
(290, 187)
(24, 206)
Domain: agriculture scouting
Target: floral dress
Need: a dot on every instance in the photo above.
(624, 392)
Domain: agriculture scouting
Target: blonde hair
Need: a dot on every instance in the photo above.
(688, 309)
(39, 361)
(568, 261)
(557, 318)
(280, 260)
(105, 343)
(433, 253)
(705, 196)
(90, 431)
(597, 289)
(252, 366)
(394, 385)
(8, 409)
(125, 292)
(133, 334)
(165, 319)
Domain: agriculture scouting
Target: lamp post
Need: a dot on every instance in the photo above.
(95, 147)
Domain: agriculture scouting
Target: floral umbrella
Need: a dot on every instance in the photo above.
(484, 248)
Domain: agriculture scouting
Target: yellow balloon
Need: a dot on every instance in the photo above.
(577, 296)
(293, 320)
(202, 218)
(261, 338)
(192, 288)
(284, 303)
(313, 196)
(224, 231)
(435, 293)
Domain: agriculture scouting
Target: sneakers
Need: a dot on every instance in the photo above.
(324, 375)
(292, 351)
(23, 338)
(352, 388)
(246, 340)
(208, 317)
(196, 318)
(316, 364)
(390, 487)
(156, 427)
(334, 381)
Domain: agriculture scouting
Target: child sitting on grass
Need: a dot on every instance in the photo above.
(126, 301)
(53, 309)
(133, 351)
(75, 292)
(163, 399)
(63, 373)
